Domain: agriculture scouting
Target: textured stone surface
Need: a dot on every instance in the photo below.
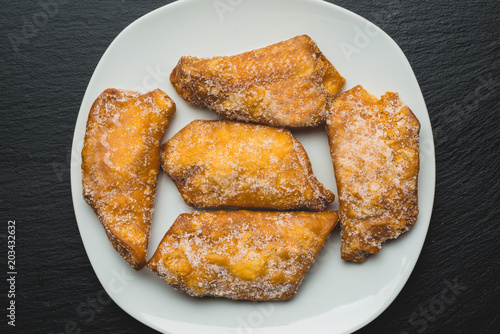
(454, 50)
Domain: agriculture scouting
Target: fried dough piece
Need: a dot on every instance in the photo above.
(375, 153)
(290, 83)
(245, 255)
(231, 164)
(120, 164)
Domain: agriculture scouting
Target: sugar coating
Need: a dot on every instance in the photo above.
(290, 83)
(241, 255)
(231, 164)
(120, 165)
(375, 153)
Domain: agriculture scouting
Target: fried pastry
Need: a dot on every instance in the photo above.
(375, 153)
(290, 83)
(245, 255)
(225, 163)
(120, 165)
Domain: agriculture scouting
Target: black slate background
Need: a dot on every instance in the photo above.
(454, 49)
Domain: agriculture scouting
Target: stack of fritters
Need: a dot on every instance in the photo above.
(234, 165)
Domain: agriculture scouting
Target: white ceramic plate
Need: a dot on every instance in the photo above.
(335, 296)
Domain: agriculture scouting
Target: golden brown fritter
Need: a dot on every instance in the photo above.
(241, 255)
(374, 147)
(231, 164)
(290, 83)
(120, 165)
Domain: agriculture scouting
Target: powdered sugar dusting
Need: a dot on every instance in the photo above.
(290, 83)
(243, 254)
(374, 145)
(227, 163)
(120, 164)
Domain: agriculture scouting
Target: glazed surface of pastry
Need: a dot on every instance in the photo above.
(245, 255)
(290, 83)
(375, 152)
(225, 163)
(120, 165)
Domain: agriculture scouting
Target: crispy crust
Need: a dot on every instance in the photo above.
(231, 164)
(375, 153)
(120, 165)
(243, 255)
(290, 83)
